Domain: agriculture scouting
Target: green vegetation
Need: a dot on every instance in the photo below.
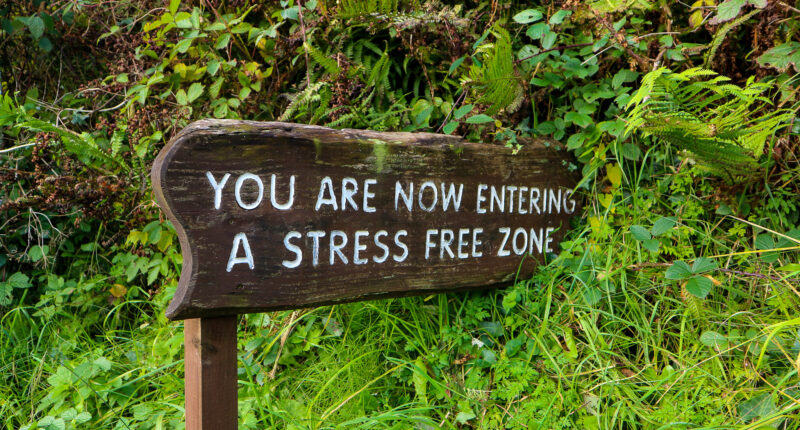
(673, 303)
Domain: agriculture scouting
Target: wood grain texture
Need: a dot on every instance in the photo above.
(210, 380)
(311, 153)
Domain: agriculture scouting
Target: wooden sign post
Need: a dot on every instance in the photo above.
(276, 216)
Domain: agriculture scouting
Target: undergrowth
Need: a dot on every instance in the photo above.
(672, 303)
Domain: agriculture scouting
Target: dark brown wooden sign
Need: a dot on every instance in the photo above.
(278, 216)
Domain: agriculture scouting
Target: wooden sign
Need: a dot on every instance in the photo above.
(278, 216)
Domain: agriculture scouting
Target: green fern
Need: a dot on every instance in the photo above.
(495, 79)
(360, 8)
(725, 126)
(327, 63)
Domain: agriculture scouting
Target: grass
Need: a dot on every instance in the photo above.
(599, 338)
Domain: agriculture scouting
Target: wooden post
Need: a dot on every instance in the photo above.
(211, 382)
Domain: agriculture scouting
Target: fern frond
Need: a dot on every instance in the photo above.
(724, 125)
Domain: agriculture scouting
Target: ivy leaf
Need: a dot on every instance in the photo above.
(663, 225)
(640, 233)
(679, 270)
(703, 264)
(713, 339)
(527, 16)
(479, 119)
(699, 286)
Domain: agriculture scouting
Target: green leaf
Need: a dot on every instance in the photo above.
(663, 225)
(727, 11)
(764, 241)
(37, 252)
(559, 16)
(180, 97)
(463, 110)
(45, 44)
(713, 339)
(463, 417)
(183, 45)
(631, 152)
(678, 271)
(703, 264)
(36, 26)
(455, 65)
(549, 40)
(222, 41)
(18, 280)
(195, 91)
(699, 286)
(536, 31)
(622, 77)
(794, 267)
(212, 67)
(450, 127)
(527, 16)
(640, 233)
(479, 119)
(651, 245)
(579, 119)
(757, 407)
(173, 6)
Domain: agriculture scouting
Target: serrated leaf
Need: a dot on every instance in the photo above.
(180, 97)
(640, 233)
(764, 241)
(195, 91)
(37, 252)
(527, 16)
(631, 152)
(727, 11)
(699, 286)
(479, 119)
(35, 26)
(713, 339)
(651, 245)
(663, 225)
(18, 280)
(579, 119)
(537, 30)
(703, 264)
(212, 67)
(678, 271)
(183, 45)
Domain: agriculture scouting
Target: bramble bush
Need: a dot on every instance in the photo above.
(672, 303)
